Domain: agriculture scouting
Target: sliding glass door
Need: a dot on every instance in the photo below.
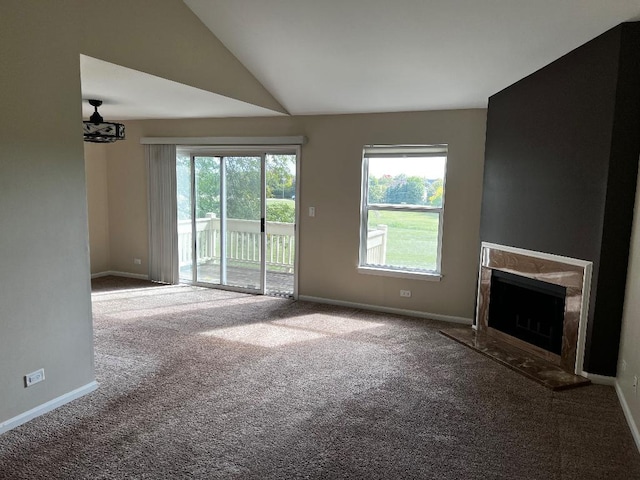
(205, 227)
(280, 251)
(236, 225)
(242, 226)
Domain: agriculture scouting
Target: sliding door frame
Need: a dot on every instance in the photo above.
(242, 151)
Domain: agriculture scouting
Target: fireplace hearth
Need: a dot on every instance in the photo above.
(531, 314)
(535, 301)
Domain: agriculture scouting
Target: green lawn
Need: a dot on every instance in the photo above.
(281, 210)
(412, 237)
(280, 200)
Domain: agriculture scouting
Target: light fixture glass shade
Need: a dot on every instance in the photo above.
(96, 130)
(104, 132)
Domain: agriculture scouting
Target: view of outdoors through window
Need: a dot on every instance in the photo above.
(402, 209)
(243, 201)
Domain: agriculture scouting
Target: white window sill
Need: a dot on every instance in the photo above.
(383, 272)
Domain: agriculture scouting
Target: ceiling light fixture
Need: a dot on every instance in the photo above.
(96, 130)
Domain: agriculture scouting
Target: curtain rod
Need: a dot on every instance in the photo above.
(224, 141)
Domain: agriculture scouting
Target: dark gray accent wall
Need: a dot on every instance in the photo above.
(561, 162)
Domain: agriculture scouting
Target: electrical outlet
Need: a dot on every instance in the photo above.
(34, 377)
(312, 211)
(635, 384)
(405, 293)
(137, 261)
(624, 365)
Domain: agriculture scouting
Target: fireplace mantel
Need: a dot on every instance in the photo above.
(574, 274)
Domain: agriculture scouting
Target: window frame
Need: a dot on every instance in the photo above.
(399, 151)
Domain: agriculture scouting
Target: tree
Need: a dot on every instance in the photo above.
(207, 195)
(429, 188)
(281, 176)
(243, 189)
(436, 198)
(406, 190)
(183, 187)
(207, 186)
(278, 211)
(415, 191)
(377, 190)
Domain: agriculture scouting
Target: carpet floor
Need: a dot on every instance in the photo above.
(207, 384)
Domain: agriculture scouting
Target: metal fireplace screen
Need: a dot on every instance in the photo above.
(528, 309)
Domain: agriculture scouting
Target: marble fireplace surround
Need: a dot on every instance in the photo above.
(571, 273)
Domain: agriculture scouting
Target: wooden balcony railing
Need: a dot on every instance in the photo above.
(243, 243)
(377, 245)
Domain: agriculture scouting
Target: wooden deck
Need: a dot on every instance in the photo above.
(278, 283)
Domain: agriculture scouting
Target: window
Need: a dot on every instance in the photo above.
(402, 207)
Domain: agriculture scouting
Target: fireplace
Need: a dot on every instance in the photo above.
(535, 301)
(528, 309)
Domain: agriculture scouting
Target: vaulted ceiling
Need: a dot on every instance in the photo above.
(348, 56)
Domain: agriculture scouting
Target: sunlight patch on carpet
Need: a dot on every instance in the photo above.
(319, 322)
(264, 335)
(171, 309)
(136, 291)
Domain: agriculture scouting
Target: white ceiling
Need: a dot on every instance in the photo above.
(347, 56)
(129, 94)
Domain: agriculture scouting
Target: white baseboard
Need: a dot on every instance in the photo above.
(398, 311)
(47, 407)
(635, 433)
(600, 379)
(113, 273)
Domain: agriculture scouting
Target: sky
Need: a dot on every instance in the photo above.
(423, 167)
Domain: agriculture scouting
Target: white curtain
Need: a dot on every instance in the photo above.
(163, 231)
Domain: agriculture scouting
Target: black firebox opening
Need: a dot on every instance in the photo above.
(528, 309)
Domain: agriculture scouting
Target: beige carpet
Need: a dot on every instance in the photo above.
(198, 383)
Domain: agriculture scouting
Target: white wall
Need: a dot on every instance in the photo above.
(95, 158)
(630, 335)
(45, 309)
(330, 181)
(45, 303)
